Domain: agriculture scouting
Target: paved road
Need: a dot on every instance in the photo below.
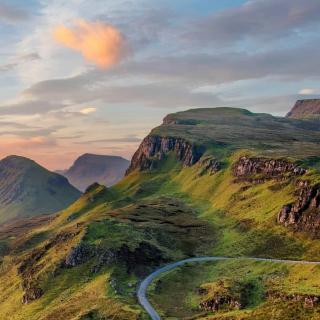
(142, 290)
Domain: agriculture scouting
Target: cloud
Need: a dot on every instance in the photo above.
(171, 81)
(31, 107)
(307, 91)
(8, 67)
(88, 110)
(12, 14)
(18, 144)
(18, 61)
(127, 139)
(29, 57)
(98, 42)
(256, 19)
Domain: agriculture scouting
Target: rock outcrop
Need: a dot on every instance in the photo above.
(304, 214)
(31, 294)
(219, 302)
(135, 260)
(30, 267)
(208, 165)
(78, 255)
(153, 149)
(261, 169)
(220, 296)
(305, 109)
(308, 301)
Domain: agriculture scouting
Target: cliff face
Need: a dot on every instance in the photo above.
(304, 214)
(305, 109)
(153, 148)
(247, 168)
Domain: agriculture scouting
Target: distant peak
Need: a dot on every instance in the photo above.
(16, 157)
(18, 160)
(305, 109)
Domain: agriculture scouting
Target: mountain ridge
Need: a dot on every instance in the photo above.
(210, 182)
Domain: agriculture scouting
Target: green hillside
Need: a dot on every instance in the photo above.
(207, 182)
(27, 189)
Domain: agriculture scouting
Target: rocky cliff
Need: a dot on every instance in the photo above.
(305, 109)
(304, 214)
(153, 149)
(253, 168)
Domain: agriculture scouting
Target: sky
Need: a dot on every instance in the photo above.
(96, 76)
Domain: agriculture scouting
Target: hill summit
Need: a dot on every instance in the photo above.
(90, 168)
(28, 189)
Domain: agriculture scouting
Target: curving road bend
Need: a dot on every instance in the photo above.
(142, 290)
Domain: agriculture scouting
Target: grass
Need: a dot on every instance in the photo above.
(177, 292)
(177, 212)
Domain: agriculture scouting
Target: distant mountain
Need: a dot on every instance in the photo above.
(90, 168)
(305, 109)
(27, 189)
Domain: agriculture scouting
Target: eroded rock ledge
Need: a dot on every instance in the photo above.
(304, 214)
(260, 169)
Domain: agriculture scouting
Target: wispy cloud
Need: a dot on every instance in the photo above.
(16, 61)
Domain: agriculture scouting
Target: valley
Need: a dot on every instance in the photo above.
(207, 182)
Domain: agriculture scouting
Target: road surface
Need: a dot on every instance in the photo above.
(142, 290)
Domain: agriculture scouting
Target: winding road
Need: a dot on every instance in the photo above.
(142, 290)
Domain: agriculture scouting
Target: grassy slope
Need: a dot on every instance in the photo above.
(245, 227)
(245, 220)
(163, 207)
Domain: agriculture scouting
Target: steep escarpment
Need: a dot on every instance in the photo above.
(305, 109)
(304, 214)
(219, 132)
(154, 148)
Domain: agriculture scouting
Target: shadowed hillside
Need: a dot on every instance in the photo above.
(27, 189)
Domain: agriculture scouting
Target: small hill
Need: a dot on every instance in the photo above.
(305, 109)
(90, 168)
(27, 189)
